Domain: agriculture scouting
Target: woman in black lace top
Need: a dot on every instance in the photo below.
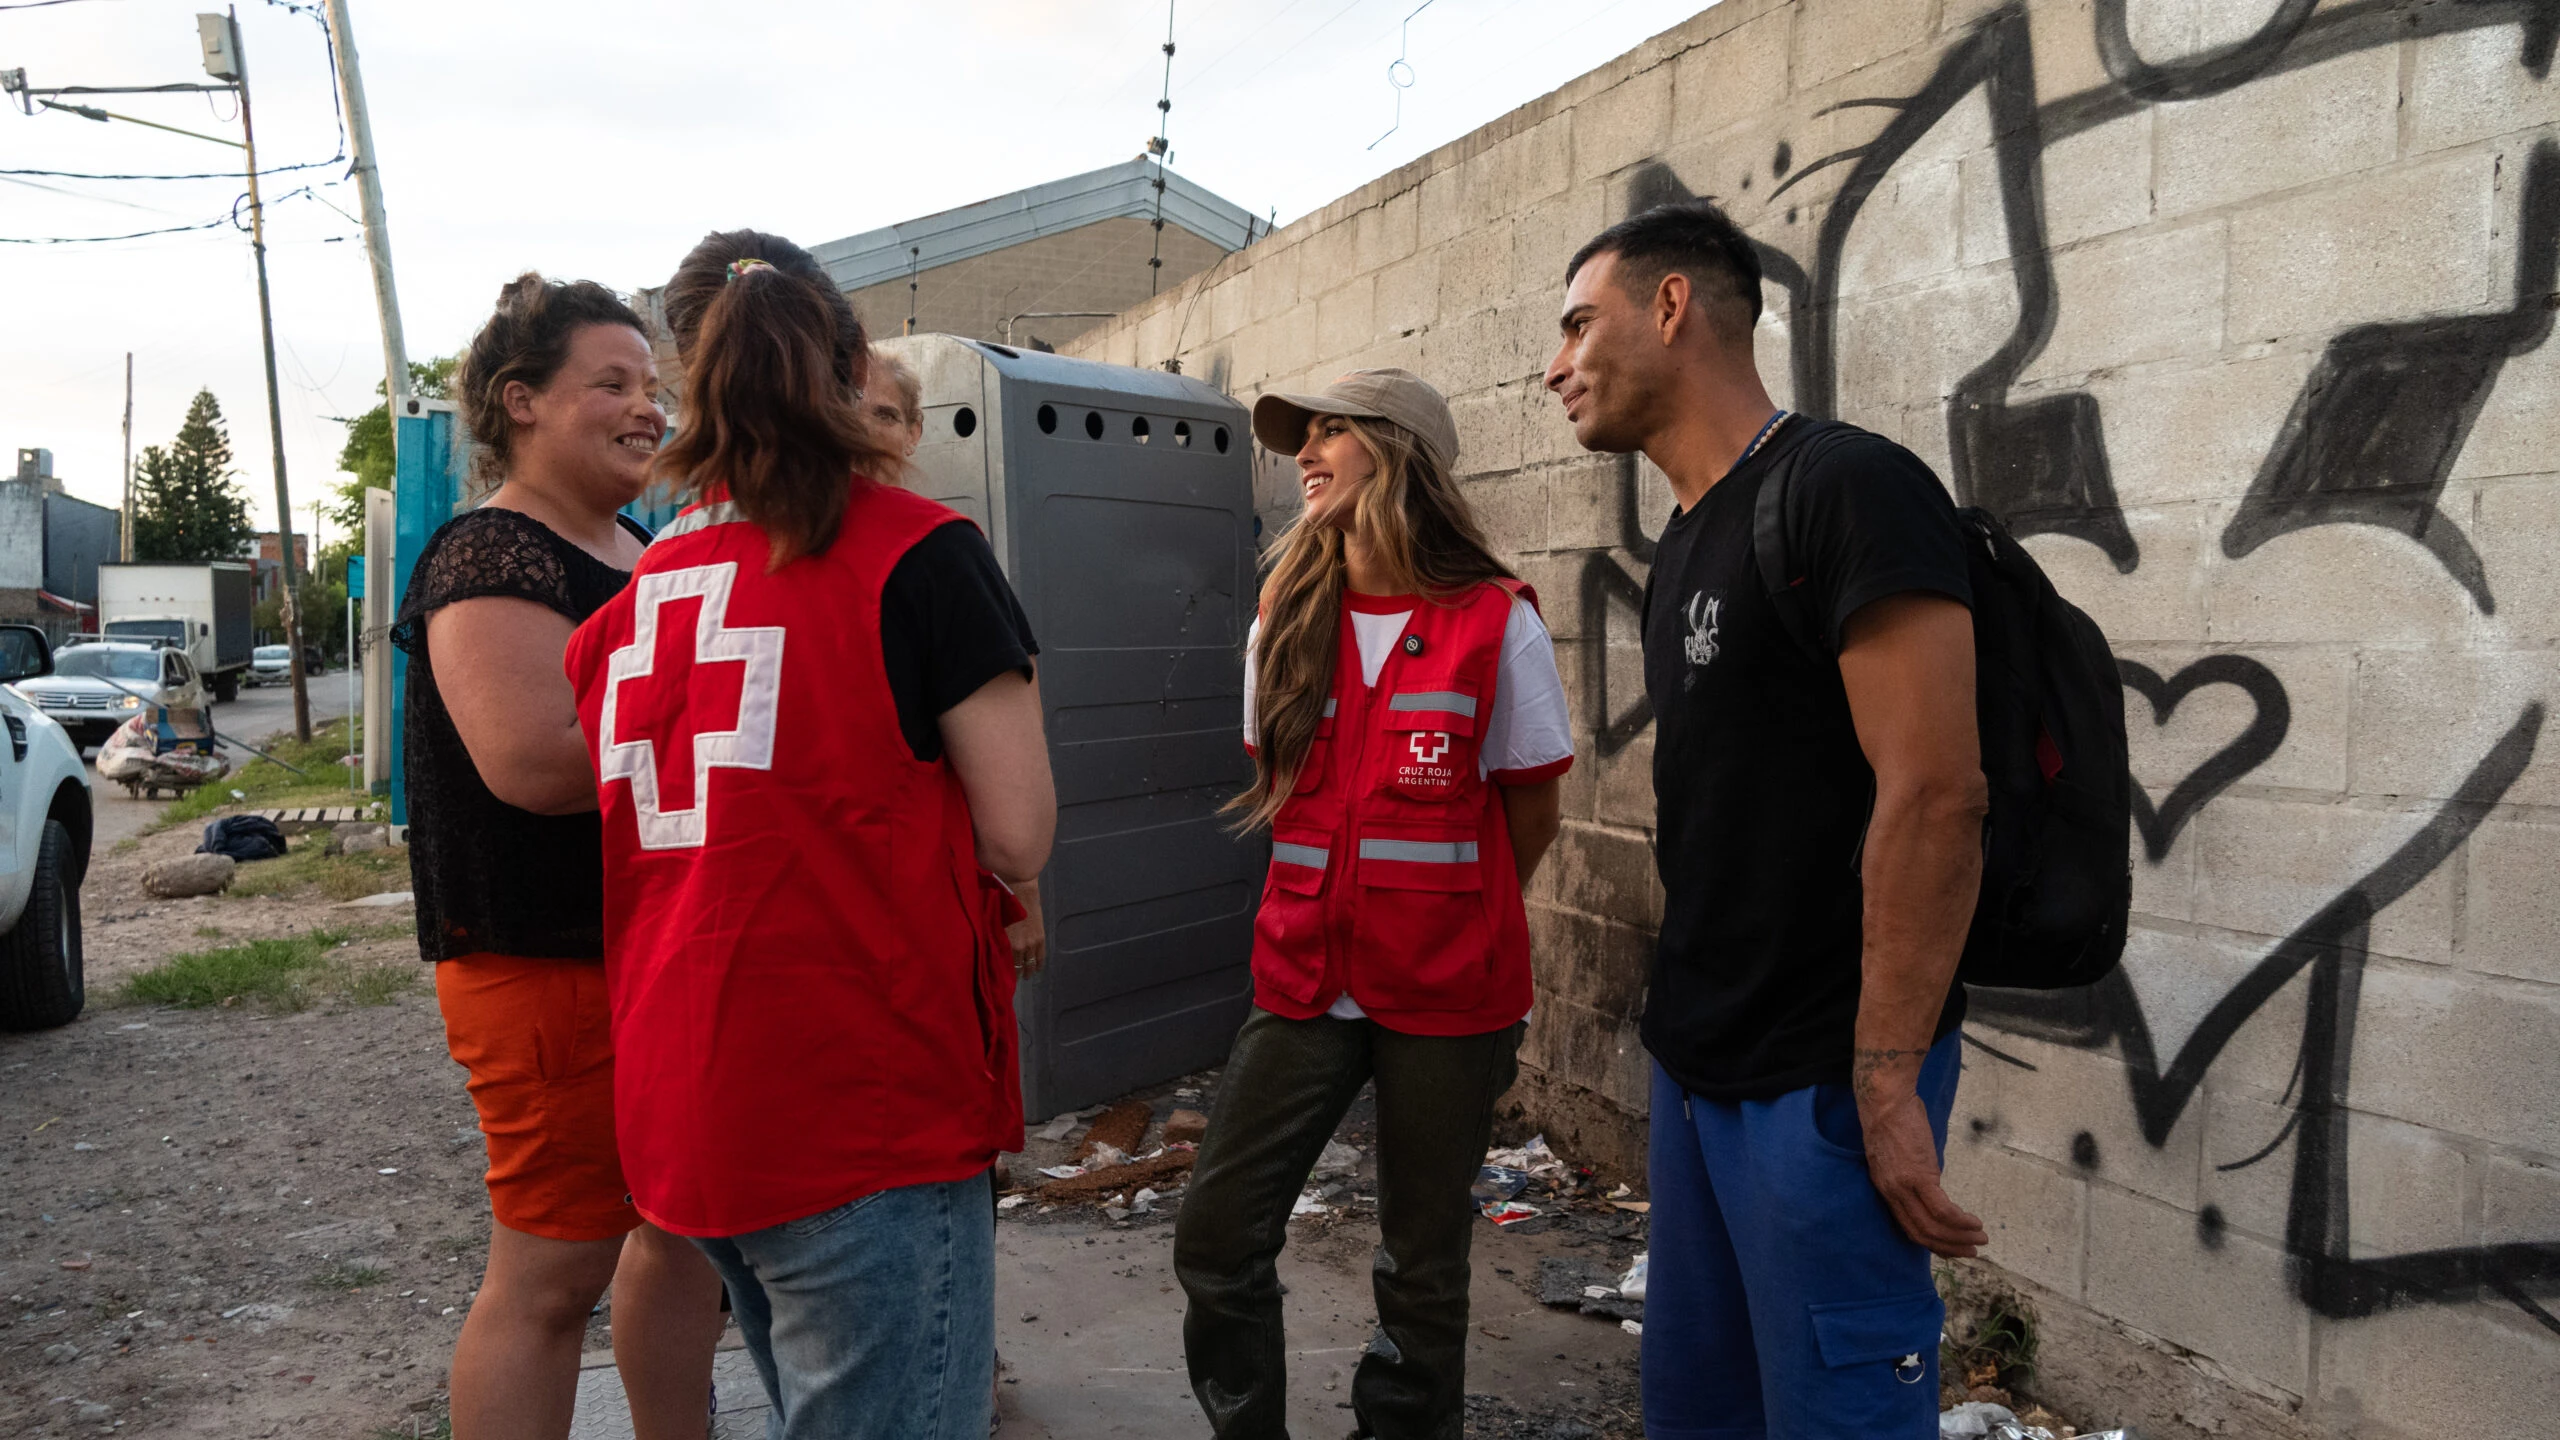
(560, 394)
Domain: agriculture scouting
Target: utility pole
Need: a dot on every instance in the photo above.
(275, 398)
(377, 229)
(126, 551)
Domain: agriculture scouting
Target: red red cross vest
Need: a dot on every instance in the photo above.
(1391, 869)
(812, 994)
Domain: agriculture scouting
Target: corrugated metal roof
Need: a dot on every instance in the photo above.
(990, 225)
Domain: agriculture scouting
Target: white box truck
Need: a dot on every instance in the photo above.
(203, 609)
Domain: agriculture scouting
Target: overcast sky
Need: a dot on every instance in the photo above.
(601, 141)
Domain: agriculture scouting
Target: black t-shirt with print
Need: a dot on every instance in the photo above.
(1763, 792)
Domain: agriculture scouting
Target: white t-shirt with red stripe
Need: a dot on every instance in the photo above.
(1527, 739)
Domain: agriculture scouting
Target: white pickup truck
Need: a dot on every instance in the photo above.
(45, 826)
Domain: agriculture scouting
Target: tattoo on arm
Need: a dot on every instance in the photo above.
(1865, 1062)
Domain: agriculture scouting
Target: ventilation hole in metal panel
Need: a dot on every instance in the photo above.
(1138, 429)
(964, 421)
(1182, 433)
(1048, 419)
(1093, 424)
(1221, 439)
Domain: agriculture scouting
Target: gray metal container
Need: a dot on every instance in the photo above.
(1120, 503)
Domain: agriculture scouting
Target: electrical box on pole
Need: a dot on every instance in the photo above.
(221, 57)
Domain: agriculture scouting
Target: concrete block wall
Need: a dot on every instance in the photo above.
(1097, 267)
(2241, 311)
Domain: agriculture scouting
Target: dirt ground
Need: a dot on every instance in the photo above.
(239, 1223)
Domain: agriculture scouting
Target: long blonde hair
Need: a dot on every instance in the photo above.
(1423, 531)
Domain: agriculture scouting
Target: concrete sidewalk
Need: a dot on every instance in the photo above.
(1089, 1323)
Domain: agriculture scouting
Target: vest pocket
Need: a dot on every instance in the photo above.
(1420, 937)
(1430, 741)
(1311, 771)
(1288, 931)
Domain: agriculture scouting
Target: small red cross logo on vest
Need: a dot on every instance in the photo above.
(660, 690)
(1429, 745)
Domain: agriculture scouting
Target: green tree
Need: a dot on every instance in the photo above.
(187, 502)
(366, 457)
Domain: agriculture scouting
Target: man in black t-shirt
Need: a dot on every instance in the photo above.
(1819, 841)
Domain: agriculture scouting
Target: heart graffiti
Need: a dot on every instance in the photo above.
(2247, 751)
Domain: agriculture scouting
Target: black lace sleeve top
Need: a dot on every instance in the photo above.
(489, 877)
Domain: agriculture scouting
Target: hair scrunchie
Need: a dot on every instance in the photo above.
(742, 266)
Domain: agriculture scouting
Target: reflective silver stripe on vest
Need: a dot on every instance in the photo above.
(1421, 852)
(1329, 707)
(1449, 700)
(724, 513)
(1311, 856)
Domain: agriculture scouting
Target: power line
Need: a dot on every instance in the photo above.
(35, 4)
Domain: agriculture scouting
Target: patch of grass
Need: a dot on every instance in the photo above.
(262, 786)
(209, 932)
(2000, 1351)
(289, 974)
(305, 870)
(416, 1427)
(340, 1275)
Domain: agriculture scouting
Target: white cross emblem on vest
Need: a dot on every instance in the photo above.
(746, 745)
(1429, 745)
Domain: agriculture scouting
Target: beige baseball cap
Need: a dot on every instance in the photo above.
(1398, 396)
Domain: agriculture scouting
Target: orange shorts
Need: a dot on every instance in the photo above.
(537, 1037)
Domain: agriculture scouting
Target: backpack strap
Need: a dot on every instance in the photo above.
(1772, 511)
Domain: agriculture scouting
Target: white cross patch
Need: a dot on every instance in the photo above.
(1426, 751)
(748, 745)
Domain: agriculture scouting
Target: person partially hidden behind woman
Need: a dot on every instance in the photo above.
(506, 858)
(816, 721)
(1408, 731)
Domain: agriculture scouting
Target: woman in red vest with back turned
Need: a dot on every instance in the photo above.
(817, 733)
(1408, 730)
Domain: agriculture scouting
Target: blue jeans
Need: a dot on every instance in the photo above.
(1783, 1300)
(875, 1320)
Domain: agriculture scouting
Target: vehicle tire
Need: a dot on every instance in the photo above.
(40, 973)
(226, 688)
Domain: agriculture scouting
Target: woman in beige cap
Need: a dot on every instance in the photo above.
(1408, 732)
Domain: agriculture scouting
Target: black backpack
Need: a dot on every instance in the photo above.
(2057, 868)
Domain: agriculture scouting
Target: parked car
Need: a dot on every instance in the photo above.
(91, 689)
(45, 825)
(270, 665)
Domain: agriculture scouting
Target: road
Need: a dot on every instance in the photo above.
(256, 715)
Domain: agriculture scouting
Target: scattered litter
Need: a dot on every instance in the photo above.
(1509, 1212)
(1062, 1172)
(1533, 1157)
(1013, 1202)
(382, 901)
(1116, 1212)
(1632, 1207)
(1185, 1126)
(1632, 1327)
(1105, 1157)
(1060, 1128)
(1622, 1192)
(75, 1264)
(1499, 1182)
(1120, 1127)
(1631, 1284)
(136, 1025)
(1337, 1162)
(1308, 1204)
(82, 1145)
(388, 1170)
(1973, 1420)
(1144, 1202)
(2015, 1430)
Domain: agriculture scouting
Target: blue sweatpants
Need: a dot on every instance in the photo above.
(1783, 1302)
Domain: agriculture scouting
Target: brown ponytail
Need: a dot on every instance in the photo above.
(773, 360)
